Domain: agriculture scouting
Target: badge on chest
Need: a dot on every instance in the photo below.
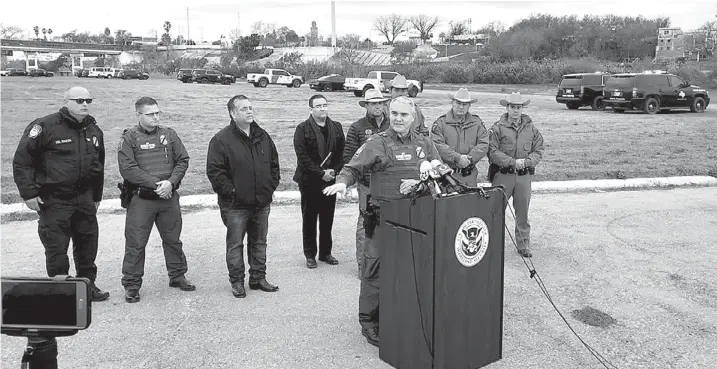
(147, 146)
(404, 157)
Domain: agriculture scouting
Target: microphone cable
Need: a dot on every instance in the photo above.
(534, 275)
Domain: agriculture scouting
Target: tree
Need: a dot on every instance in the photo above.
(37, 31)
(122, 37)
(424, 24)
(350, 45)
(166, 38)
(234, 35)
(390, 26)
(457, 28)
(10, 32)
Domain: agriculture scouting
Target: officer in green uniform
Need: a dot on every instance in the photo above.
(152, 160)
(515, 149)
(461, 137)
(395, 158)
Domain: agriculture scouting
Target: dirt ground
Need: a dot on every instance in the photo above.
(632, 272)
(580, 144)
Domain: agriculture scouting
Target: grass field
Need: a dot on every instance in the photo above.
(580, 144)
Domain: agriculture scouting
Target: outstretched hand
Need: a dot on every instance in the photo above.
(334, 189)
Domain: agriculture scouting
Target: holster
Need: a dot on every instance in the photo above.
(371, 218)
(467, 170)
(492, 170)
(126, 193)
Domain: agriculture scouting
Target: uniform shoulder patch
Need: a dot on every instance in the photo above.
(436, 128)
(383, 134)
(360, 149)
(35, 131)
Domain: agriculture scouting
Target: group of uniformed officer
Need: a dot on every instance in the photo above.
(385, 160)
(59, 170)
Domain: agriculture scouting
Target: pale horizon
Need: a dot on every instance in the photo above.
(207, 22)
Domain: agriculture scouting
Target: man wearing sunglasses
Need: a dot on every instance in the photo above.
(59, 169)
(152, 160)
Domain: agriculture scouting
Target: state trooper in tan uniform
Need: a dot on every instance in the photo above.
(516, 148)
(461, 138)
(395, 158)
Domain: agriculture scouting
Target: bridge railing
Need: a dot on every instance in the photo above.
(68, 45)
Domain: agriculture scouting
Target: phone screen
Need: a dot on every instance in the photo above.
(39, 304)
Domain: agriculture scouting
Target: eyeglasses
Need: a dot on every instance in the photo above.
(82, 101)
(152, 115)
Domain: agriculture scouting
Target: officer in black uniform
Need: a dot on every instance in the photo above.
(153, 161)
(395, 158)
(59, 169)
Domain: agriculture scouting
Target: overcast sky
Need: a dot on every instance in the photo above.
(216, 17)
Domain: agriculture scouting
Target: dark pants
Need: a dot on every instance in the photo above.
(314, 204)
(369, 294)
(255, 224)
(64, 219)
(142, 215)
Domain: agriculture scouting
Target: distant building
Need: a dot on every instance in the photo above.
(314, 35)
(670, 43)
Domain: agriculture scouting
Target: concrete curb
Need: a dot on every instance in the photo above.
(289, 197)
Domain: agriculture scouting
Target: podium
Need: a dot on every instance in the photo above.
(441, 281)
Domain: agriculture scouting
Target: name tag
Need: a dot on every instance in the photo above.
(65, 141)
(147, 146)
(403, 156)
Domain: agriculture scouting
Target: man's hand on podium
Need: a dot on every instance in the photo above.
(408, 186)
(334, 189)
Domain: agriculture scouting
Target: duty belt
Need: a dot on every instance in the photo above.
(520, 172)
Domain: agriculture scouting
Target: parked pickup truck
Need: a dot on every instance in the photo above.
(274, 77)
(380, 80)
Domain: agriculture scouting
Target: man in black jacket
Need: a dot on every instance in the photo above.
(59, 169)
(243, 168)
(319, 145)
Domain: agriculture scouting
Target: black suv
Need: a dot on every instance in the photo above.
(212, 76)
(652, 92)
(40, 73)
(582, 89)
(185, 75)
(133, 74)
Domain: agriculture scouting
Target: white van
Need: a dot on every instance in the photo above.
(101, 72)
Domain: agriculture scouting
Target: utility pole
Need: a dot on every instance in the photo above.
(188, 24)
(238, 26)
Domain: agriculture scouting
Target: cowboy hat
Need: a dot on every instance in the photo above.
(514, 99)
(372, 95)
(399, 82)
(462, 95)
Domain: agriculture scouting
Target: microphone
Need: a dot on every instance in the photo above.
(429, 176)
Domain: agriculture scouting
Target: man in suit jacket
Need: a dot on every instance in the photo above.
(319, 145)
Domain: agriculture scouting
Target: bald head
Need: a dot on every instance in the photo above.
(77, 92)
(77, 103)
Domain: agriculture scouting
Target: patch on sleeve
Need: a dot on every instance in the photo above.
(35, 131)
(436, 128)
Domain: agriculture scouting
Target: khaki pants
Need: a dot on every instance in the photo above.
(518, 187)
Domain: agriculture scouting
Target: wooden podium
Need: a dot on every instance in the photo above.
(441, 275)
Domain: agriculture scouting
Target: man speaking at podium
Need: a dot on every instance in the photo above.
(395, 158)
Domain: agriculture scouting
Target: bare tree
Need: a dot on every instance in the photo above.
(390, 26)
(424, 24)
(350, 45)
(10, 32)
(457, 28)
(257, 27)
(234, 34)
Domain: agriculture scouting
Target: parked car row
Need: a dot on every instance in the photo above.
(651, 92)
(205, 76)
(36, 72)
(106, 72)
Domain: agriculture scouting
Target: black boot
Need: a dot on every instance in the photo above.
(371, 335)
